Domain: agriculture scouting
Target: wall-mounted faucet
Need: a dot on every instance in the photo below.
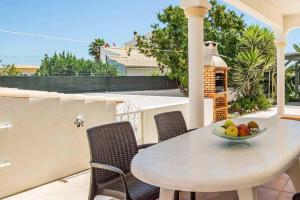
(79, 121)
(5, 126)
(4, 164)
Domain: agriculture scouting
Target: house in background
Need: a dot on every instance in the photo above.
(26, 70)
(129, 60)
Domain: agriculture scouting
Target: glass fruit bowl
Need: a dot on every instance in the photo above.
(220, 131)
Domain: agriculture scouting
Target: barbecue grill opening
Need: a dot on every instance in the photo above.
(220, 82)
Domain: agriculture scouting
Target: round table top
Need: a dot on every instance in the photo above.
(202, 162)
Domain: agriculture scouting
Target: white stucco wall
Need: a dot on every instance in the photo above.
(148, 105)
(43, 144)
(148, 124)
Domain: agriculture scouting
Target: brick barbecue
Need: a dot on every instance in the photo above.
(216, 80)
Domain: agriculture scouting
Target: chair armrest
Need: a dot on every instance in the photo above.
(109, 168)
(296, 196)
(192, 129)
(144, 146)
(112, 169)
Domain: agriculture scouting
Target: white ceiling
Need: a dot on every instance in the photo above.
(281, 15)
(286, 7)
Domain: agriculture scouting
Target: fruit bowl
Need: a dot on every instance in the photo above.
(237, 133)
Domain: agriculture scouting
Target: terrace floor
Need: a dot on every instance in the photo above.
(77, 186)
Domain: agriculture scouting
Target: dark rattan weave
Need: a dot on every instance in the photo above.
(115, 145)
(296, 196)
(170, 125)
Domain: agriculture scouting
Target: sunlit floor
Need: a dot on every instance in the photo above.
(77, 187)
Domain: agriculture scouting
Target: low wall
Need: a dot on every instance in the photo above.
(79, 84)
(149, 131)
(43, 143)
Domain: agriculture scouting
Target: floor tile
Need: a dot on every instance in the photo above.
(285, 176)
(212, 195)
(278, 183)
(231, 195)
(285, 196)
(267, 194)
(289, 187)
(184, 196)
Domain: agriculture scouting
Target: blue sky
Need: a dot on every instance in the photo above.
(113, 20)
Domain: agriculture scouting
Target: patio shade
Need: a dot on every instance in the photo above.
(282, 15)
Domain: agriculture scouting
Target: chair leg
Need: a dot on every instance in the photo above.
(176, 195)
(93, 190)
(193, 195)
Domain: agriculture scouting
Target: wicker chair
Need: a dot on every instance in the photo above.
(170, 125)
(112, 148)
(296, 196)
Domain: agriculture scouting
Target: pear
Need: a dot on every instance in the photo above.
(252, 125)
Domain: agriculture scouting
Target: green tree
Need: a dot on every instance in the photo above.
(94, 48)
(290, 74)
(248, 74)
(225, 27)
(169, 40)
(256, 57)
(10, 70)
(66, 64)
(290, 93)
(297, 47)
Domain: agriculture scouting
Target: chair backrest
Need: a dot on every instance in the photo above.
(169, 125)
(112, 144)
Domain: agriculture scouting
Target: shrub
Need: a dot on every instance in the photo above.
(67, 64)
(249, 104)
(10, 70)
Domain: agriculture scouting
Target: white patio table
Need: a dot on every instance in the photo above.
(202, 162)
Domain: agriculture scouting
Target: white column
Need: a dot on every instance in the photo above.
(196, 65)
(280, 45)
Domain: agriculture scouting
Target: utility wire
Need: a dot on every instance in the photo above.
(15, 56)
(42, 36)
(80, 41)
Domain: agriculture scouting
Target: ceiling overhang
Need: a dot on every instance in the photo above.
(291, 22)
(261, 10)
(282, 15)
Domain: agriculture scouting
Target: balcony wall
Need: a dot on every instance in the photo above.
(149, 134)
(142, 118)
(43, 143)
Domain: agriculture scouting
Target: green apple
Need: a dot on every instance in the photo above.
(228, 123)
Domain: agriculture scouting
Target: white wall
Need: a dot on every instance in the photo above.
(149, 133)
(43, 144)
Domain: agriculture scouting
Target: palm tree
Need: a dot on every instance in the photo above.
(297, 47)
(249, 73)
(94, 48)
(255, 61)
